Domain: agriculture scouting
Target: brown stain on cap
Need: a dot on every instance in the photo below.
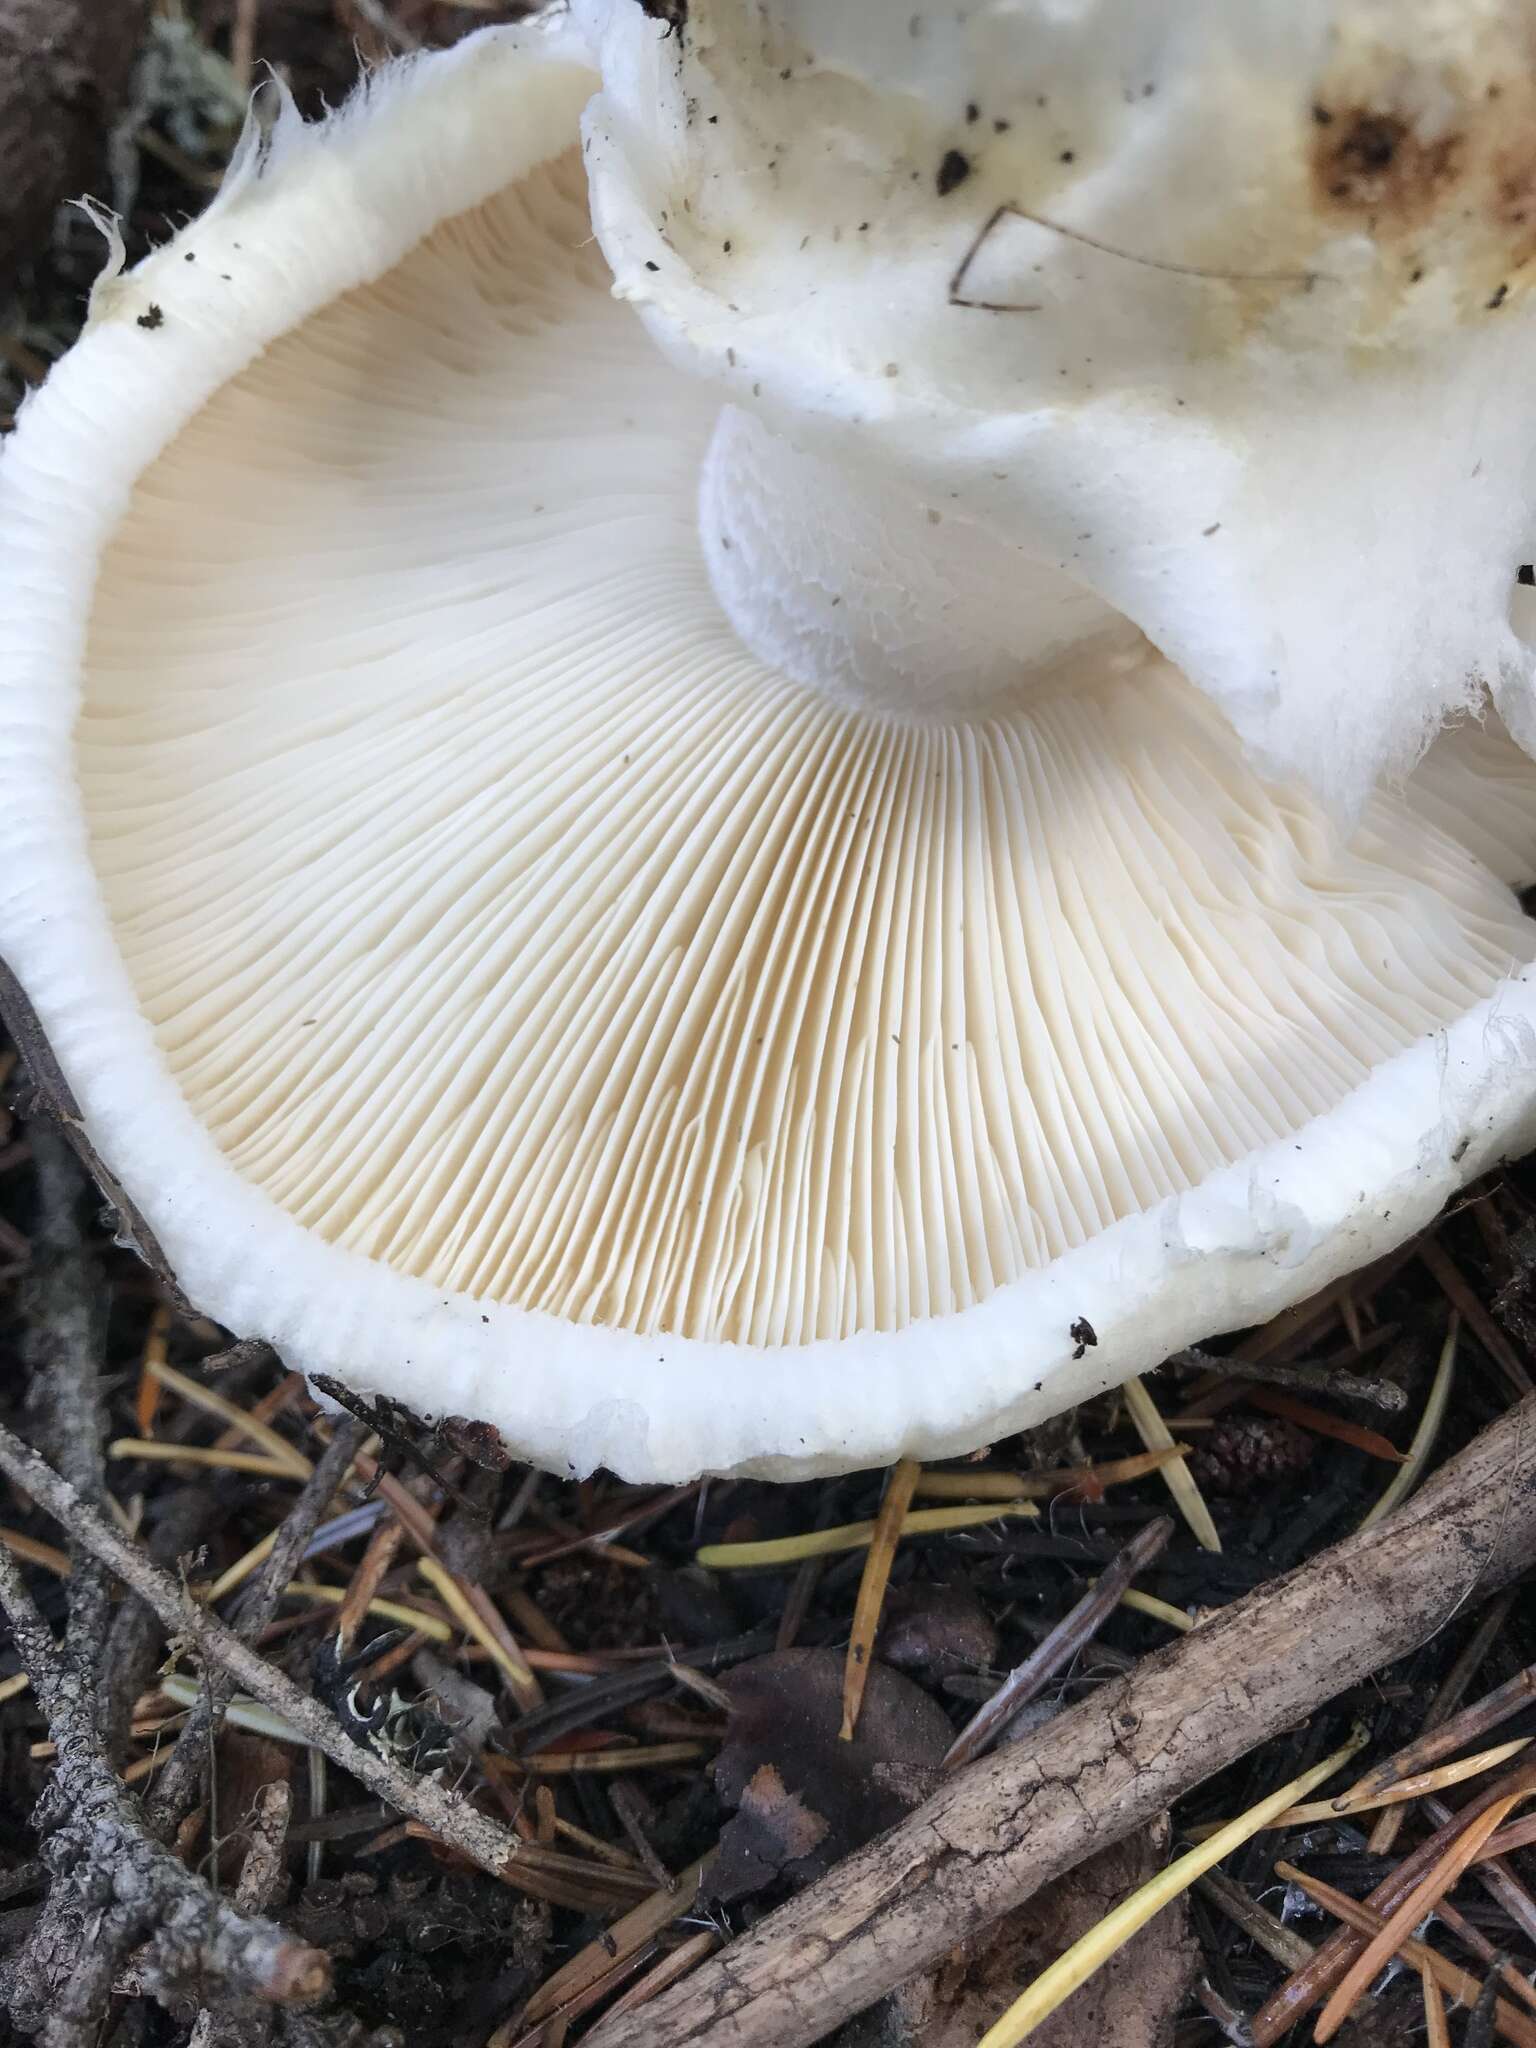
(1371, 165)
(1429, 149)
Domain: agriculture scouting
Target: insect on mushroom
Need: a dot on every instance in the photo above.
(710, 1007)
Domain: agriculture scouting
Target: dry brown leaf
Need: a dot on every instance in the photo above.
(804, 1798)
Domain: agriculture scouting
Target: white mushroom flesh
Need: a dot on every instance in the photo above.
(1217, 309)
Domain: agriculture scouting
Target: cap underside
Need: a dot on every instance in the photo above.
(503, 920)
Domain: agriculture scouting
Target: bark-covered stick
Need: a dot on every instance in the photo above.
(451, 1818)
(1010, 1824)
(114, 1886)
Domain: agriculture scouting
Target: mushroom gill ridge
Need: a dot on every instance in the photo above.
(505, 921)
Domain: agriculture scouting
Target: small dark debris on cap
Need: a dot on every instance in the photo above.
(954, 169)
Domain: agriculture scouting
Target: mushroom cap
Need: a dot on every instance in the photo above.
(1215, 307)
(495, 987)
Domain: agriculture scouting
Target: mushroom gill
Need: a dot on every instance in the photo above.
(505, 921)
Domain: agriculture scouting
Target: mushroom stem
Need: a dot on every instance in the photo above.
(855, 581)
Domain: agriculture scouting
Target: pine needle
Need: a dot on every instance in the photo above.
(211, 1402)
(1438, 1881)
(871, 1599)
(1089, 1480)
(612, 1947)
(1460, 1984)
(1368, 1798)
(506, 1655)
(30, 1551)
(387, 1610)
(567, 1763)
(197, 1454)
(1178, 1478)
(735, 1557)
(1437, 2033)
(1158, 1610)
(1321, 1423)
(147, 1402)
(1409, 1473)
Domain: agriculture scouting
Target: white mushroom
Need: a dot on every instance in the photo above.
(1212, 309)
(699, 937)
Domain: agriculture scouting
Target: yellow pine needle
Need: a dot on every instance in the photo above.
(1055, 1985)
(985, 1485)
(214, 1403)
(1435, 1780)
(197, 1454)
(735, 1557)
(876, 1577)
(1409, 1473)
(240, 1570)
(1159, 1610)
(522, 1684)
(1177, 1477)
(17, 1682)
(242, 1712)
(1438, 1780)
(387, 1610)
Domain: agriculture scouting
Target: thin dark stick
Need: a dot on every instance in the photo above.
(991, 1721)
(1302, 1379)
(1479, 2032)
(1463, 1728)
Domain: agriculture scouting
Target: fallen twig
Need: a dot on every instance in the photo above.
(65, 1304)
(1064, 1642)
(444, 1814)
(91, 1824)
(997, 1832)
